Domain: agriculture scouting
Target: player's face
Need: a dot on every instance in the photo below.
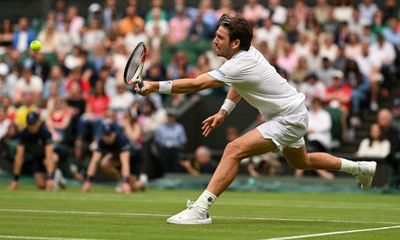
(33, 128)
(221, 41)
(109, 138)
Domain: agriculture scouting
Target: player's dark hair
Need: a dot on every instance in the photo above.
(239, 28)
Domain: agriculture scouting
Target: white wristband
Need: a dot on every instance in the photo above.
(165, 87)
(228, 105)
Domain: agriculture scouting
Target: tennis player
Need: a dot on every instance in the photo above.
(250, 76)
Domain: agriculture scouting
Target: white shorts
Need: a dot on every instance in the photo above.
(286, 131)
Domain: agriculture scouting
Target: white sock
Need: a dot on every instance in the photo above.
(348, 166)
(205, 200)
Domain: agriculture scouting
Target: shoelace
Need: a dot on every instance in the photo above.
(189, 204)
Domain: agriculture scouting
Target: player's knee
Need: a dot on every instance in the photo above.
(105, 164)
(233, 150)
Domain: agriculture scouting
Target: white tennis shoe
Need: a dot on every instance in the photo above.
(365, 173)
(191, 215)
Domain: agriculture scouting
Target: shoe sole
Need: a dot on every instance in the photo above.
(192, 222)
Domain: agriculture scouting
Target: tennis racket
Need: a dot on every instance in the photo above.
(134, 66)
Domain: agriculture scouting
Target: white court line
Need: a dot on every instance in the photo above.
(167, 215)
(333, 233)
(43, 238)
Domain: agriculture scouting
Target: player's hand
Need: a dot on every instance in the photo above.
(86, 187)
(50, 185)
(126, 188)
(145, 89)
(212, 122)
(13, 185)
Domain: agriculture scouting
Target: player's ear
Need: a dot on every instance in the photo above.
(235, 44)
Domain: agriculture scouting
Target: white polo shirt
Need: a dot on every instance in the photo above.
(257, 81)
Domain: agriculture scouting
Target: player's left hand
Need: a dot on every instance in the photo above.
(212, 122)
(50, 185)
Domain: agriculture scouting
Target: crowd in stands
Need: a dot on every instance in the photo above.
(343, 54)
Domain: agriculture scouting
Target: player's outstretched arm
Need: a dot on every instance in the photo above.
(184, 85)
(232, 98)
(50, 163)
(125, 171)
(18, 161)
(87, 185)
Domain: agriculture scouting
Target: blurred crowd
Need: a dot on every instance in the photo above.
(343, 56)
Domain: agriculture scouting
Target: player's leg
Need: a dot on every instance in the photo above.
(39, 171)
(250, 144)
(298, 158)
(40, 179)
(109, 167)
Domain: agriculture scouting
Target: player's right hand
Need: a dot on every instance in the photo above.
(126, 188)
(144, 89)
(86, 187)
(212, 122)
(13, 185)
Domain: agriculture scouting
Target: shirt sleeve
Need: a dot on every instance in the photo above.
(229, 72)
(125, 144)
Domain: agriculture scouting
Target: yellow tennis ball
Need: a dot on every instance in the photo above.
(35, 45)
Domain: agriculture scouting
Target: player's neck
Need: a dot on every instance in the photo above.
(233, 54)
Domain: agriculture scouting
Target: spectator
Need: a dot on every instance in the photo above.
(329, 48)
(156, 22)
(110, 15)
(28, 105)
(369, 66)
(39, 65)
(318, 135)
(268, 32)
(312, 88)
(314, 59)
(152, 116)
(181, 25)
(49, 35)
(396, 113)
(58, 120)
(254, 11)
(6, 35)
(357, 23)
(200, 30)
(338, 96)
(277, 12)
(96, 107)
(367, 10)
(76, 22)
(131, 21)
(200, 163)
(28, 82)
(375, 146)
(288, 59)
(302, 46)
(390, 9)
(7, 81)
(170, 137)
(5, 123)
(93, 36)
(379, 23)
(225, 7)
(322, 11)
(299, 74)
(121, 100)
(390, 33)
(343, 11)
(360, 89)
(353, 46)
(75, 77)
(326, 72)
(156, 4)
(23, 35)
